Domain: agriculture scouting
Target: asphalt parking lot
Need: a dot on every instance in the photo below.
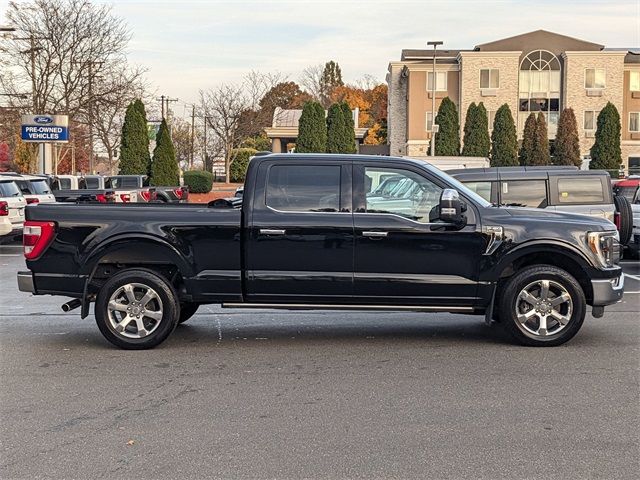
(289, 395)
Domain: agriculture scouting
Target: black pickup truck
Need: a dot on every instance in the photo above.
(314, 231)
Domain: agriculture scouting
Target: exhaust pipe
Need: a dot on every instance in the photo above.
(71, 305)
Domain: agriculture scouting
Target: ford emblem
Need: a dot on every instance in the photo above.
(43, 119)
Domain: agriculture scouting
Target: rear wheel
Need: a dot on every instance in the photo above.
(136, 309)
(542, 306)
(625, 218)
(187, 310)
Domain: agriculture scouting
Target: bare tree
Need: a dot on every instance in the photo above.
(115, 90)
(311, 80)
(222, 108)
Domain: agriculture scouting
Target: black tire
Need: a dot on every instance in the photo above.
(169, 309)
(510, 303)
(187, 310)
(623, 207)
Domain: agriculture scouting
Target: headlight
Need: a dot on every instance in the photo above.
(605, 246)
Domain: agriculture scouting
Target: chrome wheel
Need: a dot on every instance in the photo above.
(543, 308)
(134, 310)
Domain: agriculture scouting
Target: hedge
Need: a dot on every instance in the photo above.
(198, 181)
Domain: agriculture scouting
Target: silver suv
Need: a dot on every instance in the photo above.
(12, 205)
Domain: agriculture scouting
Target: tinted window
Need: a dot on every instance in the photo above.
(412, 196)
(304, 188)
(40, 187)
(524, 193)
(24, 186)
(580, 190)
(64, 183)
(9, 189)
(92, 182)
(481, 188)
(124, 182)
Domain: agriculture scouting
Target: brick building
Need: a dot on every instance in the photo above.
(534, 72)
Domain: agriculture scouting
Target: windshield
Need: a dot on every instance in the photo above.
(462, 189)
(40, 187)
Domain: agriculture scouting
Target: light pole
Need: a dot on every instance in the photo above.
(435, 43)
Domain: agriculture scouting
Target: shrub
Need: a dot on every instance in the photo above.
(448, 136)
(567, 144)
(239, 162)
(312, 129)
(198, 181)
(476, 132)
(528, 140)
(504, 140)
(540, 155)
(606, 153)
(134, 148)
(164, 169)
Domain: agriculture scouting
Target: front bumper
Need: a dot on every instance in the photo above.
(25, 282)
(607, 291)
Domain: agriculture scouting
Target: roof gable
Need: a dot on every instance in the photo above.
(539, 40)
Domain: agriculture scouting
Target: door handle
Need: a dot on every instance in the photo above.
(375, 234)
(269, 231)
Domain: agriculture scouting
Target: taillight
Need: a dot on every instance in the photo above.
(4, 209)
(178, 192)
(105, 197)
(146, 195)
(31, 201)
(36, 237)
(616, 220)
(125, 197)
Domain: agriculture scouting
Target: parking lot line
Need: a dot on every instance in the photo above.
(635, 277)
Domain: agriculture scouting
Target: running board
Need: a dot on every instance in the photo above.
(321, 306)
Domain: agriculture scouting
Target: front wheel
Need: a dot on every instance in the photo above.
(542, 306)
(136, 309)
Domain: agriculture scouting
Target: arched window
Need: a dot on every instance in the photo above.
(539, 88)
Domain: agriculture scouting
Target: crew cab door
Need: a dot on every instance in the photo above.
(300, 233)
(402, 255)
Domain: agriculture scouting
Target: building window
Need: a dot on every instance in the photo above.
(634, 167)
(539, 82)
(590, 120)
(594, 78)
(489, 78)
(429, 121)
(441, 81)
(634, 122)
(634, 81)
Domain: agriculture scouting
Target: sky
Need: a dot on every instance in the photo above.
(190, 45)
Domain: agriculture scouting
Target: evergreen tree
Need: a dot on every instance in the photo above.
(331, 78)
(312, 129)
(350, 132)
(540, 155)
(139, 106)
(504, 140)
(335, 129)
(606, 153)
(567, 144)
(476, 132)
(448, 136)
(528, 140)
(164, 170)
(134, 144)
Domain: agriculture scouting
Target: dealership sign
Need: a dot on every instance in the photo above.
(45, 128)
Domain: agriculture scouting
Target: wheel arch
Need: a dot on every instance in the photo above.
(547, 253)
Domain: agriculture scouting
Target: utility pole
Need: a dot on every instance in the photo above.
(164, 99)
(433, 99)
(193, 134)
(161, 100)
(90, 107)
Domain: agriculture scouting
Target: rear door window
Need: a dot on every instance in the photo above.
(92, 183)
(580, 190)
(524, 193)
(24, 187)
(304, 188)
(481, 188)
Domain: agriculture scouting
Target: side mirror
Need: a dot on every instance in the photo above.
(451, 208)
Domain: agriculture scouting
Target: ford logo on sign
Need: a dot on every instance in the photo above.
(43, 119)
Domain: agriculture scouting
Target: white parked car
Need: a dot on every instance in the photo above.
(12, 204)
(35, 189)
